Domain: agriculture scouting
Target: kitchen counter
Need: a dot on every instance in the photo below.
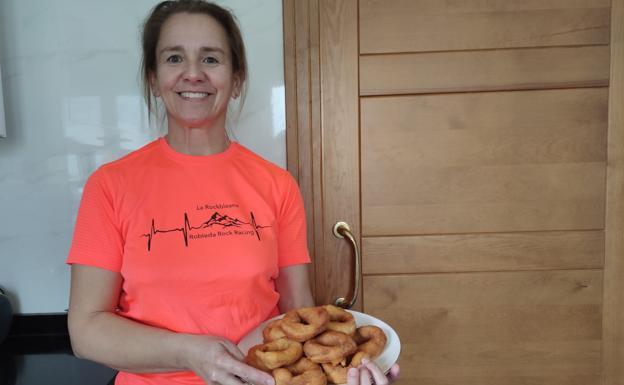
(38, 351)
(52, 368)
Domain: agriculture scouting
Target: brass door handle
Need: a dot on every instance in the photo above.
(342, 230)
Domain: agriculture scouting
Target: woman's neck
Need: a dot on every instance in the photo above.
(197, 141)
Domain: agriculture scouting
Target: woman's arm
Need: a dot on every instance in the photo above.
(97, 333)
(293, 284)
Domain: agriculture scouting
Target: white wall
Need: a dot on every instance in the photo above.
(72, 101)
(2, 126)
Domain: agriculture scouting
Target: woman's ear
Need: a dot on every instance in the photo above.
(154, 85)
(236, 90)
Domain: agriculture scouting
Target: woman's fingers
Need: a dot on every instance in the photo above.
(247, 373)
(370, 374)
(224, 378)
(227, 367)
(365, 376)
(353, 377)
(233, 350)
(373, 370)
(394, 372)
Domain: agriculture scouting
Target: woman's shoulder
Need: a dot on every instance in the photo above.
(139, 155)
(128, 164)
(259, 163)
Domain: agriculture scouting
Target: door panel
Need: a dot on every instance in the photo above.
(497, 327)
(486, 128)
(489, 70)
(484, 162)
(541, 250)
(433, 25)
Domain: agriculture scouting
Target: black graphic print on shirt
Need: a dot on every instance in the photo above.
(221, 224)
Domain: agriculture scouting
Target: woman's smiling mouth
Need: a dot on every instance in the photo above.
(193, 95)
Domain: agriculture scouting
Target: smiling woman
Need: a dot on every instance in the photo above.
(161, 289)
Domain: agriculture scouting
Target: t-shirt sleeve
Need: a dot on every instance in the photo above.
(97, 238)
(292, 240)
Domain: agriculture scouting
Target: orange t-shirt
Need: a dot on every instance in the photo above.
(198, 240)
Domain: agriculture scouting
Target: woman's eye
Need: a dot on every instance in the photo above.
(174, 59)
(211, 60)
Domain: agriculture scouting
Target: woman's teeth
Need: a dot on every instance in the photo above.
(193, 95)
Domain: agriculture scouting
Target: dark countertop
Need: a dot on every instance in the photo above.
(38, 351)
(52, 368)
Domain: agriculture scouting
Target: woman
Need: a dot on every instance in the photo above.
(186, 245)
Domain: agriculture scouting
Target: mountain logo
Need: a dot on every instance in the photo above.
(216, 220)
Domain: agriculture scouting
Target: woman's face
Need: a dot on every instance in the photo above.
(194, 71)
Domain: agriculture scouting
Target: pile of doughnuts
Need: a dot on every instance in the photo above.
(314, 346)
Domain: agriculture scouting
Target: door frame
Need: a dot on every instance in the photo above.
(613, 283)
(318, 91)
(309, 121)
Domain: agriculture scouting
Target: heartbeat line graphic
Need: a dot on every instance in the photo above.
(224, 221)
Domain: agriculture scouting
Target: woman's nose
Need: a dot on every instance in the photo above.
(193, 73)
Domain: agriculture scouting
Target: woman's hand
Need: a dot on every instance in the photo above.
(369, 373)
(218, 361)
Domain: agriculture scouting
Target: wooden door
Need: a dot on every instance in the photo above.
(475, 147)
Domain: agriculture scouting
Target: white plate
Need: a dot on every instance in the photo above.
(386, 359)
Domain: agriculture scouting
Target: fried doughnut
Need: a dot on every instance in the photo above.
(370, 340)
(253, 360)
(304, 364)
(274, 354)
(303, 372)
(305, 323)
(330, 347)
(337, 374)
(273, 331)
(340, 320)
